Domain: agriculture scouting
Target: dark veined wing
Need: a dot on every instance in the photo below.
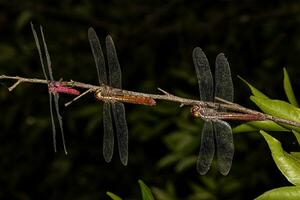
(122, 130)
(45, 75)
(223, 132)
(117, 107)
(55, 95)
(52, 122)
(108, 137)
(207, 148)
(98, 56)
(59, 118)
(204, 76)
(113, 64)
(225, 147)
(37, 43)
(223, 80)
(47, 55)
(205, 83)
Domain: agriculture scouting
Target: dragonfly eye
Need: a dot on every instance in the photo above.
(98, 94)
(195, 110)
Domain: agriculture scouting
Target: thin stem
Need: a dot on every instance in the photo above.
(166, 96)
(11, 88)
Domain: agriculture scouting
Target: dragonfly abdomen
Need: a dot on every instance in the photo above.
(59, 88)
(65, 90)
(109, 95)
(138, 100)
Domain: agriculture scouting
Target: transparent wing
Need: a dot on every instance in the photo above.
(223, 132)
(59, 118)
(113, 64)
(52, 122)
(207, 148)
(225, 147)
(108, 137)
(47, 55)
(223, 81)
(204, 76)
(121, 129)
(37, 43)
(98, 56)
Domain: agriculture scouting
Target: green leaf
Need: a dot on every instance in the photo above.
(258, 125)
(296, 155)
(146, 192)
(181, 142)
(288, 89)
(161, 194)
(279, 109)
(23, 19)
(286, 163)
(200, 192)
(297, 135)
(186, 163)
(113, 196)
(267, 126)
(283, 193)
(7, 52)
(254, 91)
(168, 160)
(243, 128)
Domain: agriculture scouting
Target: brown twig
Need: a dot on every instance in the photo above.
(230, 106)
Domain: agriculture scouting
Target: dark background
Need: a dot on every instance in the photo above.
(154, 41)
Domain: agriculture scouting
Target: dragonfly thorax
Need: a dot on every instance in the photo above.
(104, 93)
(203, 112)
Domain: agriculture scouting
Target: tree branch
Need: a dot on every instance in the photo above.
(166, 96)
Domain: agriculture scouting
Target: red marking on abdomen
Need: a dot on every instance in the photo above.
(64, 89)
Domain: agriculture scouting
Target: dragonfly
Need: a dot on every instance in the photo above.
(111, 93)
(54, 88)
(216, 133)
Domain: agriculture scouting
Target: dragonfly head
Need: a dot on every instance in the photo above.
(98, 94)
(196, 111)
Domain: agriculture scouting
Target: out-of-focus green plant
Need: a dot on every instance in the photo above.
(145, 190)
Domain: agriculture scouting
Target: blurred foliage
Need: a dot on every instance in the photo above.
(145, 191)
(154, 40)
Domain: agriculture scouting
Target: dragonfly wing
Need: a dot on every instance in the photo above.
(52, 122)
(204, 76)
(223, 81)
(37, 43)
(98, 56)
(108, 137)
(224, 140)
(113, 64)
(47, 55)
(207, 148)
(59, 118)
(225, 147)
(121, 129)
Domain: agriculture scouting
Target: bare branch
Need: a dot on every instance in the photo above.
(11, 88)
(166, 96)
(164, 92)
